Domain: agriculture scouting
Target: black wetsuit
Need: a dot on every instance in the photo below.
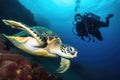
(91, 26)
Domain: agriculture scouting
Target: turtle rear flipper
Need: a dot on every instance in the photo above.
(17, 25)
(64, 65)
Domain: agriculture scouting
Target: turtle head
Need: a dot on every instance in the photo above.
(67, 51)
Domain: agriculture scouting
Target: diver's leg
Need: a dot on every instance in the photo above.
(98, 35)
(89, 38)
(92, 36)
(82, 38)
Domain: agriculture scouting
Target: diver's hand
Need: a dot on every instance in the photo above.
(109, 16)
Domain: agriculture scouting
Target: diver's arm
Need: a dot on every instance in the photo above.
(104, 24)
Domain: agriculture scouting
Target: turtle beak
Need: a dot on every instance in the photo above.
(75, 53)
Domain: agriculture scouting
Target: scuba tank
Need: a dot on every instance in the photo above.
(93, 16)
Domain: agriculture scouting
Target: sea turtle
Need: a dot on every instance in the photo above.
(41, 41)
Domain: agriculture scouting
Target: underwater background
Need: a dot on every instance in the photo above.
(95, 61)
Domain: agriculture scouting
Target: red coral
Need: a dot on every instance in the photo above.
(16, 67)
(13, 68)
(40, 74)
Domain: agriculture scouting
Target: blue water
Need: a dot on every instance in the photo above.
(99, 60)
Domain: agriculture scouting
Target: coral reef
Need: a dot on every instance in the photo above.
(16, 67)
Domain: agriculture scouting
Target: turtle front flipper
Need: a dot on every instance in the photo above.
(64, 65)
(40, 38)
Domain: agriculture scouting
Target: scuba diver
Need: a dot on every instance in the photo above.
(88, 26)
